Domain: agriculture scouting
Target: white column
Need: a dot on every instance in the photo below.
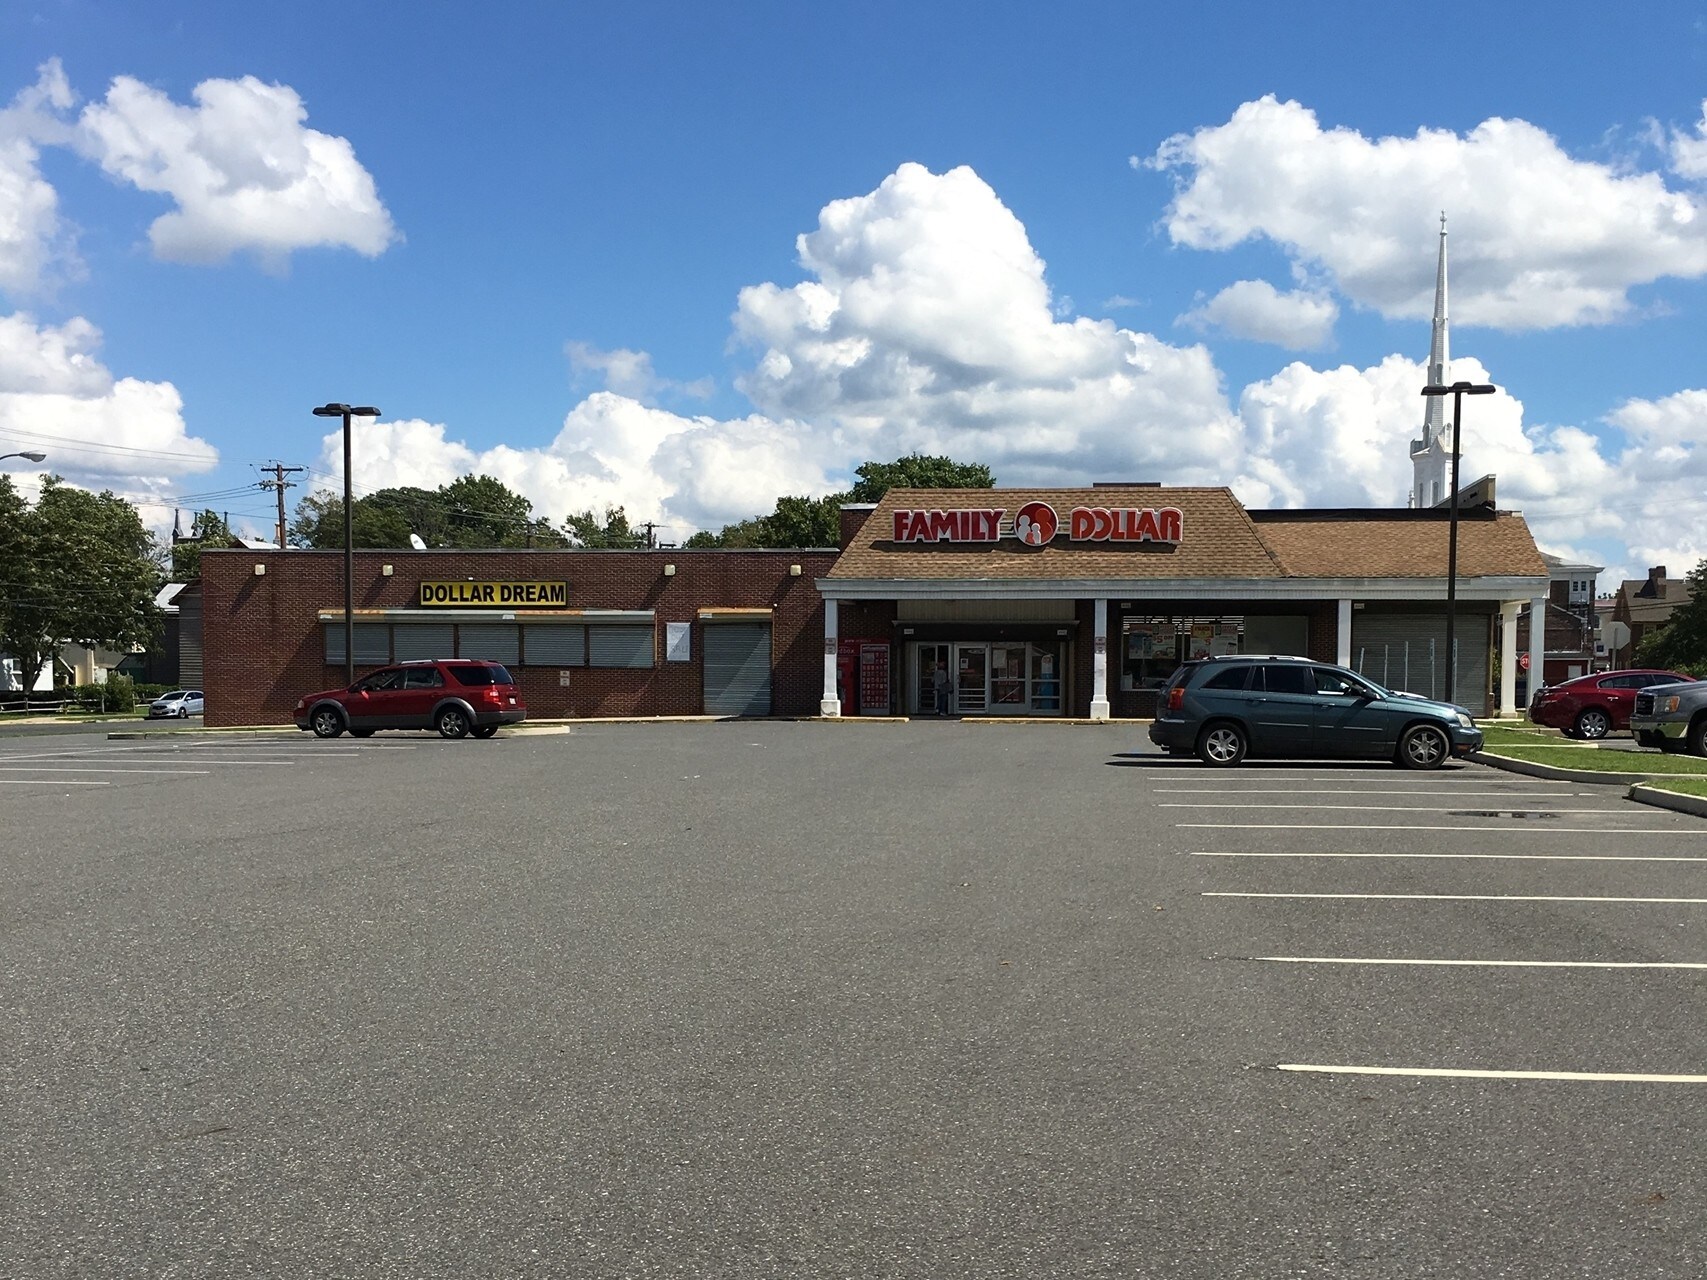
(1508, 656)
(1099, 664)
(1537, 643)
(1342, 654)
(831, 705)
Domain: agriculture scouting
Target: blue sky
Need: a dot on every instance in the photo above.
(560, 243)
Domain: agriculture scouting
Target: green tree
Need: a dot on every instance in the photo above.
(1681, 645)
(79, 568)
(817, 522)
(208, 528)
(613, 531)
(916, 471)
(469, 512)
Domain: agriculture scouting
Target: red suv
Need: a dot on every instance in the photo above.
(456, 696)
(1592, 706)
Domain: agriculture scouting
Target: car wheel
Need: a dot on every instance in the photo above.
(1698, 736)
(1221, 745)
(326, 723)
(1424, 746)
(452, 722)
(361, 733)
(486, 731)
(1593, 723)
(183, 713)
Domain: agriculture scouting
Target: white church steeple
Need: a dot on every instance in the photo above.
(1430, 456)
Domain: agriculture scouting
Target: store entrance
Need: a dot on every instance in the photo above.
(1004, 678)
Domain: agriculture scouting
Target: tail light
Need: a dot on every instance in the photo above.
(1176, 697)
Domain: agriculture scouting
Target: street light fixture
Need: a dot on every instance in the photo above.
(346, 412)
(1458, 390)
(29, 455)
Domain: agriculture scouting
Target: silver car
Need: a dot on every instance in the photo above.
(179, 704)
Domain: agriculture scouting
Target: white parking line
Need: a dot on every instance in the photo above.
(1350, 808)
(1527, 829)
(1624, 1077)
(1453, 897)
(1519, 857)
(51, 782)
(1365, 791)
(1487, 964)
(77, 768)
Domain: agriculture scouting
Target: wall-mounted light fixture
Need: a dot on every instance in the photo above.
(794, 571)
(669, 571)
(260, 571)
(385, 569)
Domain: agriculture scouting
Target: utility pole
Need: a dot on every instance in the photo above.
(651, 541)
(279, 484)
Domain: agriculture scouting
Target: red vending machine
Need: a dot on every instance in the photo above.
(847, 675)
(873, 679)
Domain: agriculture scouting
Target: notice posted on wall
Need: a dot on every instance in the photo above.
(678, 642)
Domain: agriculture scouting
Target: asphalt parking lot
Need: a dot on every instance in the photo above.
(770, 999)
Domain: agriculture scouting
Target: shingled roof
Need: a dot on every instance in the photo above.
(1399, 545)
(1220, 540)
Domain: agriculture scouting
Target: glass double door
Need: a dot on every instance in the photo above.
(1003, 678)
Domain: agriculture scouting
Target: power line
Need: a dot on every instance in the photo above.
(280, 484)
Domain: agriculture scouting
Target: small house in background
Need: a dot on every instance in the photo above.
(1644, 605)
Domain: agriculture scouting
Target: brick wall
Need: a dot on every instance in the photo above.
(265, 648)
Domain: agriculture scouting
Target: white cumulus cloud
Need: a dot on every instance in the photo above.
(33, 236)
(1540, 238)
(1689, 149)
(57, 398)
(928, 326)
(242, 167)
(1301, 320)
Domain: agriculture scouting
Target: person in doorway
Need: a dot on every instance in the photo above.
(940, 686)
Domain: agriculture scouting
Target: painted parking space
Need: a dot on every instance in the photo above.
(125, 762)
(1456, 902)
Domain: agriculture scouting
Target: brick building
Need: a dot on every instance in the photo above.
(1046, 602)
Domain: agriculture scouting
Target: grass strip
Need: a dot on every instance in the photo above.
(1636, 763)
(1683, 786)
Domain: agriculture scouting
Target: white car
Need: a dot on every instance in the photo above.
(180, 703)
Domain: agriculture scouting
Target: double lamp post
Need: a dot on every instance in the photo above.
(346, 412)
(1458, 390)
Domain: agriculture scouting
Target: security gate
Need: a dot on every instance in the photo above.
(738, 668)
(1407, 651)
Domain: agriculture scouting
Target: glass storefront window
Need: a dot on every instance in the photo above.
(1153, 646)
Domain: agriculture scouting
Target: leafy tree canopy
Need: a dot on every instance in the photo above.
(612, 531)
(208, 528)
(1681, 645)
(469, 512)
(916, 471)
(817, 522)
(77, 567)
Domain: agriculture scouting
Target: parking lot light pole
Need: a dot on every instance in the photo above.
(1458, 390)
(346, 412)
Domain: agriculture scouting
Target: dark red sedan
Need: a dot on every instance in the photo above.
(1593, 706)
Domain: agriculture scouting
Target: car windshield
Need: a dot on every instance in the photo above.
(486, 673)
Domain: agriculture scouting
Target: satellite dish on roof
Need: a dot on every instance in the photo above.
(416, 542)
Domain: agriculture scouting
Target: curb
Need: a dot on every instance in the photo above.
(1676, 801)
(1555, 773)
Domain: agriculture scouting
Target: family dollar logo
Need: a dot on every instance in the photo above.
(1035, 524)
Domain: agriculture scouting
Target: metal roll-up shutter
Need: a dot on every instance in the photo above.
(373, 644)
(415, 640)
(496, 641)
(621, 647)
(1407, 651)
(738, 668)
(554, 645)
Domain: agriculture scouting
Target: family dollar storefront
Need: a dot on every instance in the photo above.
(1083, 602)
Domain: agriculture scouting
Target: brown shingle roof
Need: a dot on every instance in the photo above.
(1401, 546)
(1219, 540)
